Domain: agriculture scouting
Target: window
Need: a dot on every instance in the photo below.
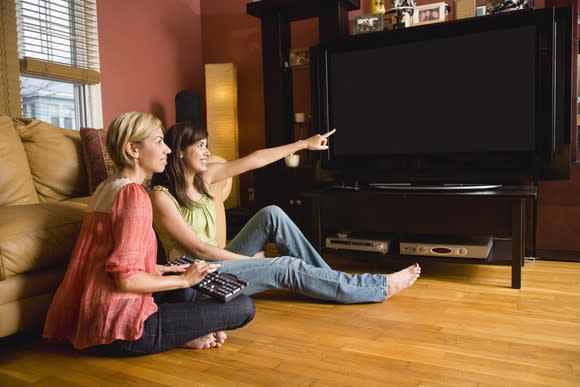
(59, 61)
(52, 101)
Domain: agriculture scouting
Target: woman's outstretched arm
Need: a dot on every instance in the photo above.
(257, 159)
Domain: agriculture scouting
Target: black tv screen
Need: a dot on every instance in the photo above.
(484, 100)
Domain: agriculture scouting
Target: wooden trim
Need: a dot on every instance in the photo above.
(558, 255)
(9, 73)
(37, 67)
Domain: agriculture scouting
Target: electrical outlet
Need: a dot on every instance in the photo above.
(250, 193)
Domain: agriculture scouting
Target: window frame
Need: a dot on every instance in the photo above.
(88, 105)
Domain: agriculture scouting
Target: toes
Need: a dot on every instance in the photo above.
(220, 336)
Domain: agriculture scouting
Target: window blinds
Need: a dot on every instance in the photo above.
(58, 39)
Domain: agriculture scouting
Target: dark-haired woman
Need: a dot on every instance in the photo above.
(185, 221)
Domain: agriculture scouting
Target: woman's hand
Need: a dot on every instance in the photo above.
(178, 269)
(197, 270)
(318, 141)
(259, 254)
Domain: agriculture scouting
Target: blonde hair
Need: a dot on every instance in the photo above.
(126, 128)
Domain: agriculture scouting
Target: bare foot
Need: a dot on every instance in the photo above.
(220, 337)
(211, 340)
(402, 279)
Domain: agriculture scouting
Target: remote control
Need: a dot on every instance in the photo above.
(219, 285)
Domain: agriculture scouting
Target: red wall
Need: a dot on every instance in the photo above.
(229, 35)
(149, 51)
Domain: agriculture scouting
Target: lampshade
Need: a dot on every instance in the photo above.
(221, 95)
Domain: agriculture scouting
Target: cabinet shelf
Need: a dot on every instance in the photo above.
(500, 254)
(500, 212)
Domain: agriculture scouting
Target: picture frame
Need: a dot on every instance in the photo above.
(299, 57)
(370, 22)
(480, 10)
(390, 18)
(430, 13)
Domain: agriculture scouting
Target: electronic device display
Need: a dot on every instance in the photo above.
(483, 100)
(455, 247)
(358, 244)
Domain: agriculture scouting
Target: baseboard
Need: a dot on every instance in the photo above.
(558, 255)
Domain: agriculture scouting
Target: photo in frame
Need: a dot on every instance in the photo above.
(430, 13)
(390, 18)
(366, 23)
(299, 57)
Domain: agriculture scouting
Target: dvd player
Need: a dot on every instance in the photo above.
(455, 247)
(346, 243)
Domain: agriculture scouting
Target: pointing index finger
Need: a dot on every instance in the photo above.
(328, 134)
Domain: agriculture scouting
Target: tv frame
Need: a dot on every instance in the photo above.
(551, 157)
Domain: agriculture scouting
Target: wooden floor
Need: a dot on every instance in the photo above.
(460, 325)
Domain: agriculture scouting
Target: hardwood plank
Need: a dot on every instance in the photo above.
(459, 325)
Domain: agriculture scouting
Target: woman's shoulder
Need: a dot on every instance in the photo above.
(160, 188)
(160, 193)
(113, 188)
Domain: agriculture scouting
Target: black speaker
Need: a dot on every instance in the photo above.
(187, 107)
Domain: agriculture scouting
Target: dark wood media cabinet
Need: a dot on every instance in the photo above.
(502, 213)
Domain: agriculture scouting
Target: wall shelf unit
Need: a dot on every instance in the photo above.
(276, 17)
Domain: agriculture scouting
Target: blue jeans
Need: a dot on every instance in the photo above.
(300, 268)
(183, 315)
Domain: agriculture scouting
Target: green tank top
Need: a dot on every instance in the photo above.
(201, 218)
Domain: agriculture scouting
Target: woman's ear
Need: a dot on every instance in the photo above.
(132, 150)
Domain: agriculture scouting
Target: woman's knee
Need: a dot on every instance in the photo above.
(288, 265)
(273, 211)
(246, 308)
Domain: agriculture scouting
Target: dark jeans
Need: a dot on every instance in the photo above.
(183, 315)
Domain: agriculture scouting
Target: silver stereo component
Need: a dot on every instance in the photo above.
(345, 243)
(476, 247)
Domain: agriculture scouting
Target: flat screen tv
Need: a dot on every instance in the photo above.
(485, 100)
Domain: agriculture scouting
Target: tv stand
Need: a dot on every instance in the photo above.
(502, 212)
(434, 187)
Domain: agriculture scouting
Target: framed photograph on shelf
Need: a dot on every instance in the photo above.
(430, 13)
(299, 57)
(369, 22)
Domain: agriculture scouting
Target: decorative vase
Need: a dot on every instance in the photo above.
(377, 6)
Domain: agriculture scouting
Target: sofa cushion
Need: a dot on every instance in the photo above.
(15, 177)
(99, 164)
(38, 236)
(30, 284)
(24, 314)
(25, 298)
(55, 159)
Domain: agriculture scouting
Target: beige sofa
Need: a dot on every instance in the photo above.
(44, 191)
(43, 196)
